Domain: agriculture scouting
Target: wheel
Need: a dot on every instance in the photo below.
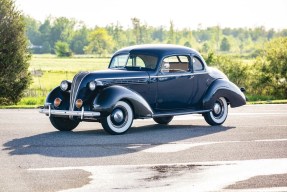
(120, 120)
(63, 124)
(163, 120)
(219, 112)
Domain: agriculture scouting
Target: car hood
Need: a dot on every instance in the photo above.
(115, 76)
(80, 84)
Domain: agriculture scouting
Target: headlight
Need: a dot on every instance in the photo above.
(64, 85)
(92, 85)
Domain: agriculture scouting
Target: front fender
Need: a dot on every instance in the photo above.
(223, 88)
(58, 93)
(108, 97)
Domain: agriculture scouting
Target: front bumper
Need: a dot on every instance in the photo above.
(67, 113)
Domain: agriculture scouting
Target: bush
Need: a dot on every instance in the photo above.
(62, 49)
(14, 55)
(234, 69)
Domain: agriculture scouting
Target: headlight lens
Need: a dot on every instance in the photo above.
(92, 85)
(64, 85)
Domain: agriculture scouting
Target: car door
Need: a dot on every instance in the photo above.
(200, 83)
(174, 85)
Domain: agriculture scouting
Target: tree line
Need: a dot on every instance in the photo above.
(64, 37)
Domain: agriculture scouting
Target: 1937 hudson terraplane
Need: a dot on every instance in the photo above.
(145, 81)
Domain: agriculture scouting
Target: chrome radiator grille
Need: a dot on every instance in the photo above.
(75, 88)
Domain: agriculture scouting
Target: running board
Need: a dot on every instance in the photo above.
(179, 113)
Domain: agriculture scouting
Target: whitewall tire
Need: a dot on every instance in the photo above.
(219, 112)
(120, 120)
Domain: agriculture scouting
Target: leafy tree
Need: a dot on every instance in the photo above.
(159, 34)
(32, 30)
(187, 44)
(45, 30)
(171, 33)
(80, 40)
(62, 30)
(119, 35)
(100, 42)
(136, 29)
(62, 49)
(14, 56)
(272, 67)
(46, 48)
(205, 47)
(235, 70)
(225, 45)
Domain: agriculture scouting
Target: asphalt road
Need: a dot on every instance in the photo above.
(248, 153)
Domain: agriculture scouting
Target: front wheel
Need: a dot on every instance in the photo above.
(63, 124)
(218, 114)
(120, 120)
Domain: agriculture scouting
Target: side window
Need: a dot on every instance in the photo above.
(197, 65)
(175, 64)
(135, 61)
(144, 61)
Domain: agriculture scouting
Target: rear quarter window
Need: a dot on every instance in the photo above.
(197, 65)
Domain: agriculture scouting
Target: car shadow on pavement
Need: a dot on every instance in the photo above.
(97, 143)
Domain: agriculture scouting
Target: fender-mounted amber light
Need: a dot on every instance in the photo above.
(79, 103)
(57, 102)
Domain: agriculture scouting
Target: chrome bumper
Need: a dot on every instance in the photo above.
(81, 113)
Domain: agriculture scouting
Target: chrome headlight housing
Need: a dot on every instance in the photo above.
(64, 85)
(92, 85)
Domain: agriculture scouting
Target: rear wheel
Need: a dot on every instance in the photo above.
(63, 124)
(219, 112)
(163, 120)
(120, 120)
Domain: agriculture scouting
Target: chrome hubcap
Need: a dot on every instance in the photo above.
(217, 109)
(118, 115)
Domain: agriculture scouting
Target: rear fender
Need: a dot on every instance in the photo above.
(226, 89)
(108, 97)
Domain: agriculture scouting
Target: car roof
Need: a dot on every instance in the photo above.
(158, 49)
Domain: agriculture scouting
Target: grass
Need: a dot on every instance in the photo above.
(73, 64)
(267, 102)
(50, 80)
(48, 71)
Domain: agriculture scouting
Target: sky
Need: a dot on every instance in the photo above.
(184, 13)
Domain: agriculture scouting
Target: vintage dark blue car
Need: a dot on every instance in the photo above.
(145, 81)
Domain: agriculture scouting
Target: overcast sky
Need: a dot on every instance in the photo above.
(184, 13)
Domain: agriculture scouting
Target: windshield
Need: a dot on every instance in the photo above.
(134, 62)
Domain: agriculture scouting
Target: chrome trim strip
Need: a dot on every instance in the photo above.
(115, 78)
(159, 76)
(182, 75)
(180, 113)
(81, 114)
